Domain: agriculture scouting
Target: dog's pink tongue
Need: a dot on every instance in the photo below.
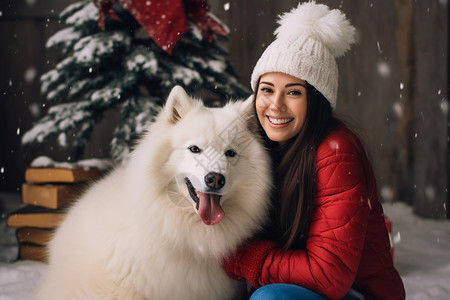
(209, 208)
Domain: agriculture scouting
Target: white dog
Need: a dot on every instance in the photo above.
(195, 187)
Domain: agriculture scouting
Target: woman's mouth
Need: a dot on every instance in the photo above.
(279, 121)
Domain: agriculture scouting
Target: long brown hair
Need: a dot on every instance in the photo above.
(294, 166)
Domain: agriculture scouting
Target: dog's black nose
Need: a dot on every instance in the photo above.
(215, 180)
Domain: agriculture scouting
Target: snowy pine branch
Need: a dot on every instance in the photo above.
(123, 69)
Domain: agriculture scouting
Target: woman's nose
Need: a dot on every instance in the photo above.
(277, 103)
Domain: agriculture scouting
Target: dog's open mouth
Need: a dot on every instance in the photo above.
(208, 205)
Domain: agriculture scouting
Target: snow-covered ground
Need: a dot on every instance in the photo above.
(422, 256)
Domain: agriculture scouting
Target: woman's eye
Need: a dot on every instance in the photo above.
(266, 90)
(230, 153)
(194, 149)
(295, 93)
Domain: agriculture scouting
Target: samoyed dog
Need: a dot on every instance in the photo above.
(194, 188)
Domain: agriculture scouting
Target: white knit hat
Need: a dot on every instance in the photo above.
(308, 40)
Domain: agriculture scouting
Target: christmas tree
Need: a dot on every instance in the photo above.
(127, 55)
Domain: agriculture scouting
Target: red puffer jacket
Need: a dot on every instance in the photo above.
(348, 244)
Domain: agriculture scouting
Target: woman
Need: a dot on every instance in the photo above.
(327, 237)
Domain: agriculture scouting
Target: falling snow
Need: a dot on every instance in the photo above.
(384, 69)
(430, 192)
(334, 145)
(30, 74)
(30, 2)
(398, 109)
(379, 48)
(444, 106)
(387, 193)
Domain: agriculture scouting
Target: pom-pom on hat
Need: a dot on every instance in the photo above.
(308, 40)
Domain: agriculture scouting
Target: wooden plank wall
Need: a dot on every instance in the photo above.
(430, 101)
(372, 86)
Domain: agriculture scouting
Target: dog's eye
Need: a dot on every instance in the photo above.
(230, 153)
(194, 149)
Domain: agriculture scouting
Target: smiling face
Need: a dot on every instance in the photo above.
(281, 103)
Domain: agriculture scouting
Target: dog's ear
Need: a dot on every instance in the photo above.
(246, 108)
(247, 112)
(177, 105)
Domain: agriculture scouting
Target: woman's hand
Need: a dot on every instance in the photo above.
(247, 262)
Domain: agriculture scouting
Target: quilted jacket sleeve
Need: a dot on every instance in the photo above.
(330, 261)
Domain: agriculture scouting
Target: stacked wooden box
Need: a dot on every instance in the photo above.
(46, 194)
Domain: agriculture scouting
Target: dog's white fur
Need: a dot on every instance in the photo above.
(136, 234)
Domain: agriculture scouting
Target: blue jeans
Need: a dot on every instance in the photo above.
(282, 291)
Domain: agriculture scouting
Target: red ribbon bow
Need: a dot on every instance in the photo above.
(165, 21)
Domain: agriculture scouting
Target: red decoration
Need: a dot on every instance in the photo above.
(165, 21)
(198, 11)
(105, 9)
